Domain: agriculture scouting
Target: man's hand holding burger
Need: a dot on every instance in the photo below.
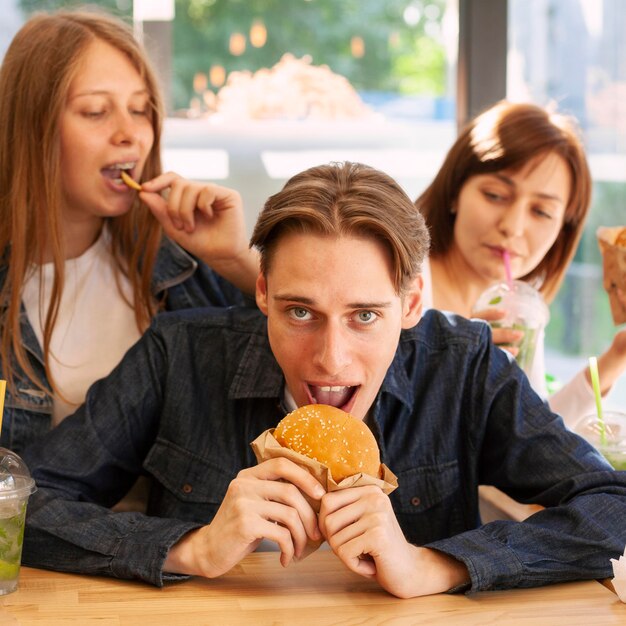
(359, 523)
(268, 502)
(362, 530)
(263, 502)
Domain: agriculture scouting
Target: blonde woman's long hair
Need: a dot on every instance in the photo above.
(35, 77)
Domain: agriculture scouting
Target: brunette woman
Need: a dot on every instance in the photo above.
(517, 181)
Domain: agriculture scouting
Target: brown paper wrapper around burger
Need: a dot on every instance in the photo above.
(614, 269)
(266, 447)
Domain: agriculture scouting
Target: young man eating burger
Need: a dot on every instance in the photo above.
(339, 293)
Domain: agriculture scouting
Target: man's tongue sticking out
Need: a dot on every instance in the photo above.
(335, 396)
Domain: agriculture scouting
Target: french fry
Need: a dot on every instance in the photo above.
(133, 184)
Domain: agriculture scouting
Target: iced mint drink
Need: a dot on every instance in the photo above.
(12, 516)
(527, 345)
(525, 311)
(616, 460)
(16, 485)
(607, 435)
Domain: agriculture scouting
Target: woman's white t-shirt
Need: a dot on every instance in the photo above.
(95, 324)
(572, 402)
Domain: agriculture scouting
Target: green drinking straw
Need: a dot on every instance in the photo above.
(595, 383)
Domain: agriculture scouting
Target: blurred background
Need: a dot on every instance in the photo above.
(257, 90)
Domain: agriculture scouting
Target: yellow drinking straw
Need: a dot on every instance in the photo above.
(595, 383)
(3, 388)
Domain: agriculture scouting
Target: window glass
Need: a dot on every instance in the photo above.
(264, 89)
(572, 53)
(260, 89)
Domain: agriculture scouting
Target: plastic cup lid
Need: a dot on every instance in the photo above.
(523, 303)
(15, 479)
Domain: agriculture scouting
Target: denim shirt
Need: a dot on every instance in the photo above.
(178, 278)
(453, 412)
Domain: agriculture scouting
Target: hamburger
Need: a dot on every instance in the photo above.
(332, 437)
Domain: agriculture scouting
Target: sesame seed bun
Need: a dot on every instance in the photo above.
(333, 437)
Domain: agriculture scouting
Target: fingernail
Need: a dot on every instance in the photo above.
(318, 492)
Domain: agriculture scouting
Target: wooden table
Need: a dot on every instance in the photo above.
(319, 591)
(496, 505)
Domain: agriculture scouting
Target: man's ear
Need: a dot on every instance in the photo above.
(261, 292)
(412, 303)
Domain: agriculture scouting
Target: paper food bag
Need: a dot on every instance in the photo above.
(614, 268)
(266, 447)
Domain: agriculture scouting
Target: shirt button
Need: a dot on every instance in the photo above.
(187, 488)
(415, 501)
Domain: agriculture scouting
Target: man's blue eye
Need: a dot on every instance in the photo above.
(367, 316)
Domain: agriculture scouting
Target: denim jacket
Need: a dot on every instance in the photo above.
(180, 279)
(453, 412)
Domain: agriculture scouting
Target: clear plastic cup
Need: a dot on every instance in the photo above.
(607, 436)
(16, 486)
(525, 309)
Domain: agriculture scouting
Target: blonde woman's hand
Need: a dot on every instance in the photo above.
(208, 221)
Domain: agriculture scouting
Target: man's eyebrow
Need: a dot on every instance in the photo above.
(369, 305)
(351, 305)
(508, 181)
(288, 297)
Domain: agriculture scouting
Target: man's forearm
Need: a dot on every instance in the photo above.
(93, 540)
(182, 556)
(428, 572)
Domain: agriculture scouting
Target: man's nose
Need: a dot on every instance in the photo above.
(332, 353)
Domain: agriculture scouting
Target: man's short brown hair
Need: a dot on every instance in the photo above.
(346, 199)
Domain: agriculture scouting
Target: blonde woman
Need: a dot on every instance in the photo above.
(86, 261)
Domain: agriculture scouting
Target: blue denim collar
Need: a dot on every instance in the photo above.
(397, 383)
(172, 266)
(29, 339)
(258, 374)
